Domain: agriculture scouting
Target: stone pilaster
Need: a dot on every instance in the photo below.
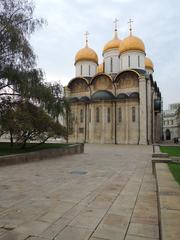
(127, 123)
(149, 138)
(103, 123)
(143, 110)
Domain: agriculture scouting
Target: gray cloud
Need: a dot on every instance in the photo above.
(155, 22)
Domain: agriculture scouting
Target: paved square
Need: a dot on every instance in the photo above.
(106, 193)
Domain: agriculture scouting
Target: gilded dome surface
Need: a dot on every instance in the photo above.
(86, 53)
(114, 43)
(149, 63)
(100, 68)
(132, 43)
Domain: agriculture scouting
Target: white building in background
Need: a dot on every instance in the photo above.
(116, 101)
(171, 122)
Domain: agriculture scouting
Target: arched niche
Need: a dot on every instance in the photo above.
(102, 82)
(127, 79)
(78, 85)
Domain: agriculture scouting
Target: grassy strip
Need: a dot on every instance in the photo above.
(172, 151)
(5, 148)
(173, 167)
(175, 170)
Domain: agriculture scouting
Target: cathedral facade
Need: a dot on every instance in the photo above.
(116, 101)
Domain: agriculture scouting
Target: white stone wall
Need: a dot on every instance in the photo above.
(124, 62)
(114, 54)
(85, 68)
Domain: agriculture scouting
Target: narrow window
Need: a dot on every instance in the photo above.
(129, 61)
(97, 114)
(138, 61)
(111, 65)
(81, 69)
(133, 114)
(89, 70)
(89, 115)
(167, 122)
(172, 122)
(108, 115)
(81, 115)
(119, 115)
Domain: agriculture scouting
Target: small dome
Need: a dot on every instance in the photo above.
(149, 64)
(86, 53)
(100, 68)
(132, 43)
(102, 95)
(113, 44)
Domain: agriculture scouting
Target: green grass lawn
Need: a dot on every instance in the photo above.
(5, 148)
(172, 151)
(174, 168)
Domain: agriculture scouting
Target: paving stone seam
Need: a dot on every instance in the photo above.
(136, 200)
(71, 220)
(108, 210)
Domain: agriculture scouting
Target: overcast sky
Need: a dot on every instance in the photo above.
(156, 22)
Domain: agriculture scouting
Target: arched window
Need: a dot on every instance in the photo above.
(89, 70)
(138, 61)
(108, 115)
(129, 61)
(168, 134)
(81, 115)
(111, 65)
(81, 69)
(97, 114)
(119, 115)
(133, 114)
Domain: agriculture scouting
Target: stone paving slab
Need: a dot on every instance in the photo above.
(169, 203)
(114, 198)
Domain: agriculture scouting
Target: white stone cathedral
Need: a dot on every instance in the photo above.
(116, 101)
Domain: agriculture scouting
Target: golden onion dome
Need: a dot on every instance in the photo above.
(100, 68)
(149, 64)
(113, 44)
(132, 43)
(86, 53)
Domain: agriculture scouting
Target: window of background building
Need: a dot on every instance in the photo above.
(89, 115)
(81, 69)
(171, 122)
(167, 122)
(133, 114)
(129, 61)
(119, 115)
(108, 115)
(97, 114)
(81, 115)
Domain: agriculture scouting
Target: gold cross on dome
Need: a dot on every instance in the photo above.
(86, 37)
(116, 23)
(130, 25)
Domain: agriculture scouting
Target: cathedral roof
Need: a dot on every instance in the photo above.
(132, 43)
(149, 63)
(102, 95)
(112, 44)
(86, 53)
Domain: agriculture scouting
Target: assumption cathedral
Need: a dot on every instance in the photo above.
(116, 101)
